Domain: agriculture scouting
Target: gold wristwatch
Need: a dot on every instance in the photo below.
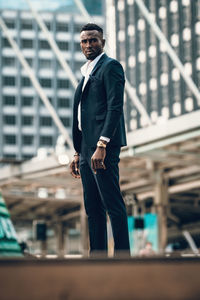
(101, 144)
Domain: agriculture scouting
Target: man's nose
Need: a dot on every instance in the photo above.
(88, 44)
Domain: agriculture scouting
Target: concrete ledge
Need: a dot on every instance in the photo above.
(100, 279)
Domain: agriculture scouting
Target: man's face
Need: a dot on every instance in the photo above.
(92, 43)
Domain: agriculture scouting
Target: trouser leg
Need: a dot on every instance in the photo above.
(94, 207)
(102, 191)
(108, 183)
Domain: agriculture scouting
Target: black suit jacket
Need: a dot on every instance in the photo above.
(101, 105)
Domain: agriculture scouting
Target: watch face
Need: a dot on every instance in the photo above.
(101, 144)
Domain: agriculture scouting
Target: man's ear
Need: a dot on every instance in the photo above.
(103, 42)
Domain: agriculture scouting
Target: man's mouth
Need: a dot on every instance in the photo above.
(89, 52)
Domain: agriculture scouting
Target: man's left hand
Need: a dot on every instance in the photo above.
(97, 159)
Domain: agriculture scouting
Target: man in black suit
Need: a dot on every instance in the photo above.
(98, 134)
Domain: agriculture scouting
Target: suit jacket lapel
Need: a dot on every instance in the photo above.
(78, 93)
(99, 63)
(97, 66)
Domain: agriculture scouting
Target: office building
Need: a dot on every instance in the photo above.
(25, 123)
(157, 81)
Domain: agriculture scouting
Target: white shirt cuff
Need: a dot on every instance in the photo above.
(106, 139)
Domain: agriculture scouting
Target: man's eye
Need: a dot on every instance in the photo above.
(90, 41)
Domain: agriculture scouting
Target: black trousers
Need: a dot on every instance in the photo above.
(102, 194)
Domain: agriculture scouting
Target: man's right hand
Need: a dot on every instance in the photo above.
(74, 167)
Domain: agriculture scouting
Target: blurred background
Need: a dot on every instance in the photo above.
(158, 44)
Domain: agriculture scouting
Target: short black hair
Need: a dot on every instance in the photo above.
(92, 26)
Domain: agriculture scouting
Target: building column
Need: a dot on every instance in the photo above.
(60, 235)
(43, 248)
(161, 203)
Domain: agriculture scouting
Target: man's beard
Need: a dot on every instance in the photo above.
(93, 55)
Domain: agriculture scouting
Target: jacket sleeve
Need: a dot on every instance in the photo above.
(114, 87)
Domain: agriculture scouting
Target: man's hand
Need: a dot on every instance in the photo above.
(97, 159)
(74, 167)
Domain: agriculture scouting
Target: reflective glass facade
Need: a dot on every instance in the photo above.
(151, 72)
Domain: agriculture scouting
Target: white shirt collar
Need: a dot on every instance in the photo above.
(89, 65)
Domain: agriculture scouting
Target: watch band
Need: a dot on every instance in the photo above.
(101, 144)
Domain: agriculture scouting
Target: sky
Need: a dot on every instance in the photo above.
(51, 5)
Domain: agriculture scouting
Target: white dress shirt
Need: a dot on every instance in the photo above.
(86, 70)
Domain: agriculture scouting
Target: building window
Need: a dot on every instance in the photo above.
(27, 101)
(62, 27)
(63, 83)
(8, 61)
(25, 81)
(27, 44)
(46, 141)
(10, 120)
(6, 43)
(9, 155)
(26, 25)
(189, 104)
(77, 47)
(9, 100)
(27, 140)
(30, 61)
(10, 139)
(63, 102)
(45, 121)
(9, 81)
(27, 120)
(121, 35)
(10, 24)
(27, 156)
(45, 82)
(63, 45)
(48, 25)
(45, 63)
(58, 65)
(65, 121)
(41, 103)
(44, 45)
(78, 27)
